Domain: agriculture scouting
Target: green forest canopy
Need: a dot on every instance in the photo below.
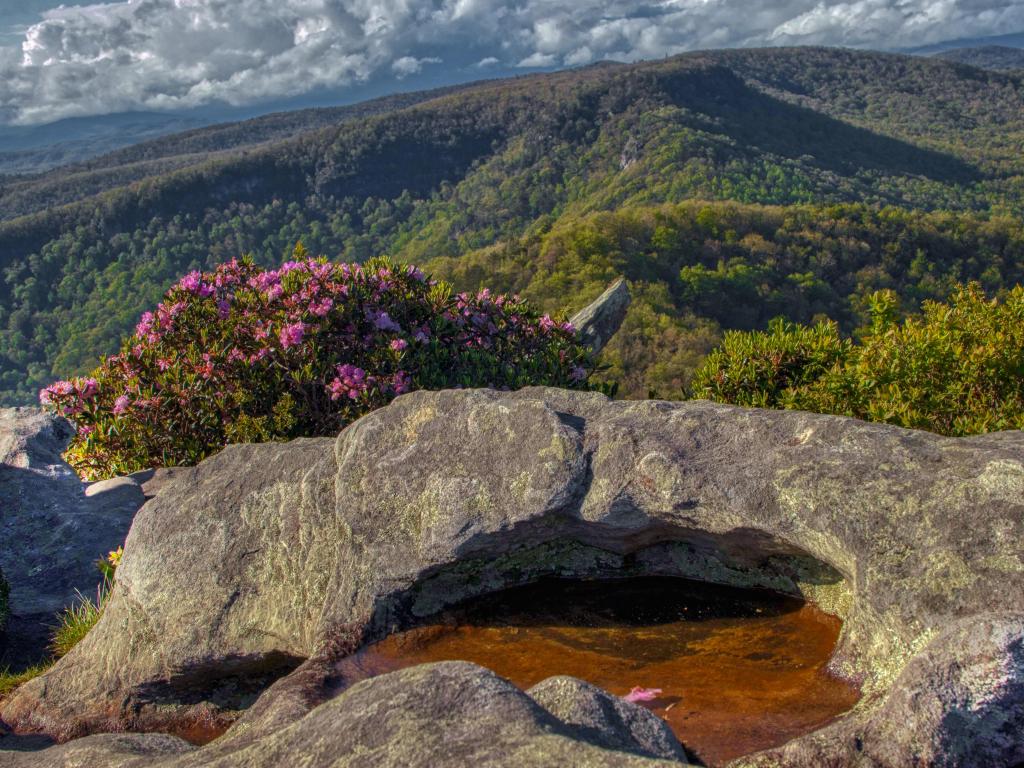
(827, 174)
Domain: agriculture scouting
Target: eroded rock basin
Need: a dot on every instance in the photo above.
(739, 670)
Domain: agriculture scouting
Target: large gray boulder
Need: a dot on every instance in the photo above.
(445, 715)
(271, 561)
(51, 531)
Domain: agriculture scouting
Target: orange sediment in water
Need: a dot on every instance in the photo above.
(739, 670)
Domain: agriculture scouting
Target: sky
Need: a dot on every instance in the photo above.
(83, 59)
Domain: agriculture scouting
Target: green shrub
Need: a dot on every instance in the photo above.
(247, 354)
(762, 369)
(957, 369)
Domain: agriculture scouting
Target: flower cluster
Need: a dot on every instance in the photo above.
(250, 354)
(351, 382)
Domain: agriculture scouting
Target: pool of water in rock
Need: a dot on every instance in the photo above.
(739, 670)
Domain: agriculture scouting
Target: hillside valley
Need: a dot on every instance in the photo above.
(877, 170)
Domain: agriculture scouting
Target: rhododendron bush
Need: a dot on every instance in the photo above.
(248, 354)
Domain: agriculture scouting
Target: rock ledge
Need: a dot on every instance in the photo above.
(270, 561)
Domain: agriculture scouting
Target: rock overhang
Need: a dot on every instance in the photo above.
(908, 536)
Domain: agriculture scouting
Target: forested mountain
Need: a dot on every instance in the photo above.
(200, 146)
(883, 170)
(986, 57)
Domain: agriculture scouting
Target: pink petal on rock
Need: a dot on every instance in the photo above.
(642, 694)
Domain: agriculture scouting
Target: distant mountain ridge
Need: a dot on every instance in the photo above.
(31, 149)
(998, 57)
(39, 148)
(491, 168)
(1011, 40)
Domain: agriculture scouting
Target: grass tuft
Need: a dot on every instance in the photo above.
(11, 680)
(78, 619)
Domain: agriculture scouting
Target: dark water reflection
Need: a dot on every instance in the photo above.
(739, 670)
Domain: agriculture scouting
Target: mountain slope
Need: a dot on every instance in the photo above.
(37, 148)
(153, 158)
(487, 165)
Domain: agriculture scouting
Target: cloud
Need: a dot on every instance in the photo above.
(177, 54)
(538, 59)
(410, 65)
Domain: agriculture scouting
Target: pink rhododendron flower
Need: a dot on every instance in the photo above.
(351, 381)
(399, 344)
(402, 383)
(121, 404)
(145, 324)
(193, 283)
(292, 335)
(206, 369)
(382, 321)
(321, 308)
(642, 694)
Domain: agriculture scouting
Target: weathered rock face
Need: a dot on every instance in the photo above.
(267, 555)
(444, 715)
(5, 593)
(597, 322)
(51, 532)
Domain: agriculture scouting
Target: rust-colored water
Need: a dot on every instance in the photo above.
(739, 670)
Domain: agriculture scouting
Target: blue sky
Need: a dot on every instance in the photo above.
(17, 15)
(170, 55)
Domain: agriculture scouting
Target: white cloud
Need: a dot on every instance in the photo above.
(410, 65)
(539, 59)
(582, 55)
(171, 54)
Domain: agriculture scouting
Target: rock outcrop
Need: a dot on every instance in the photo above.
(597, 322)
(269, 561)
(51, 531)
